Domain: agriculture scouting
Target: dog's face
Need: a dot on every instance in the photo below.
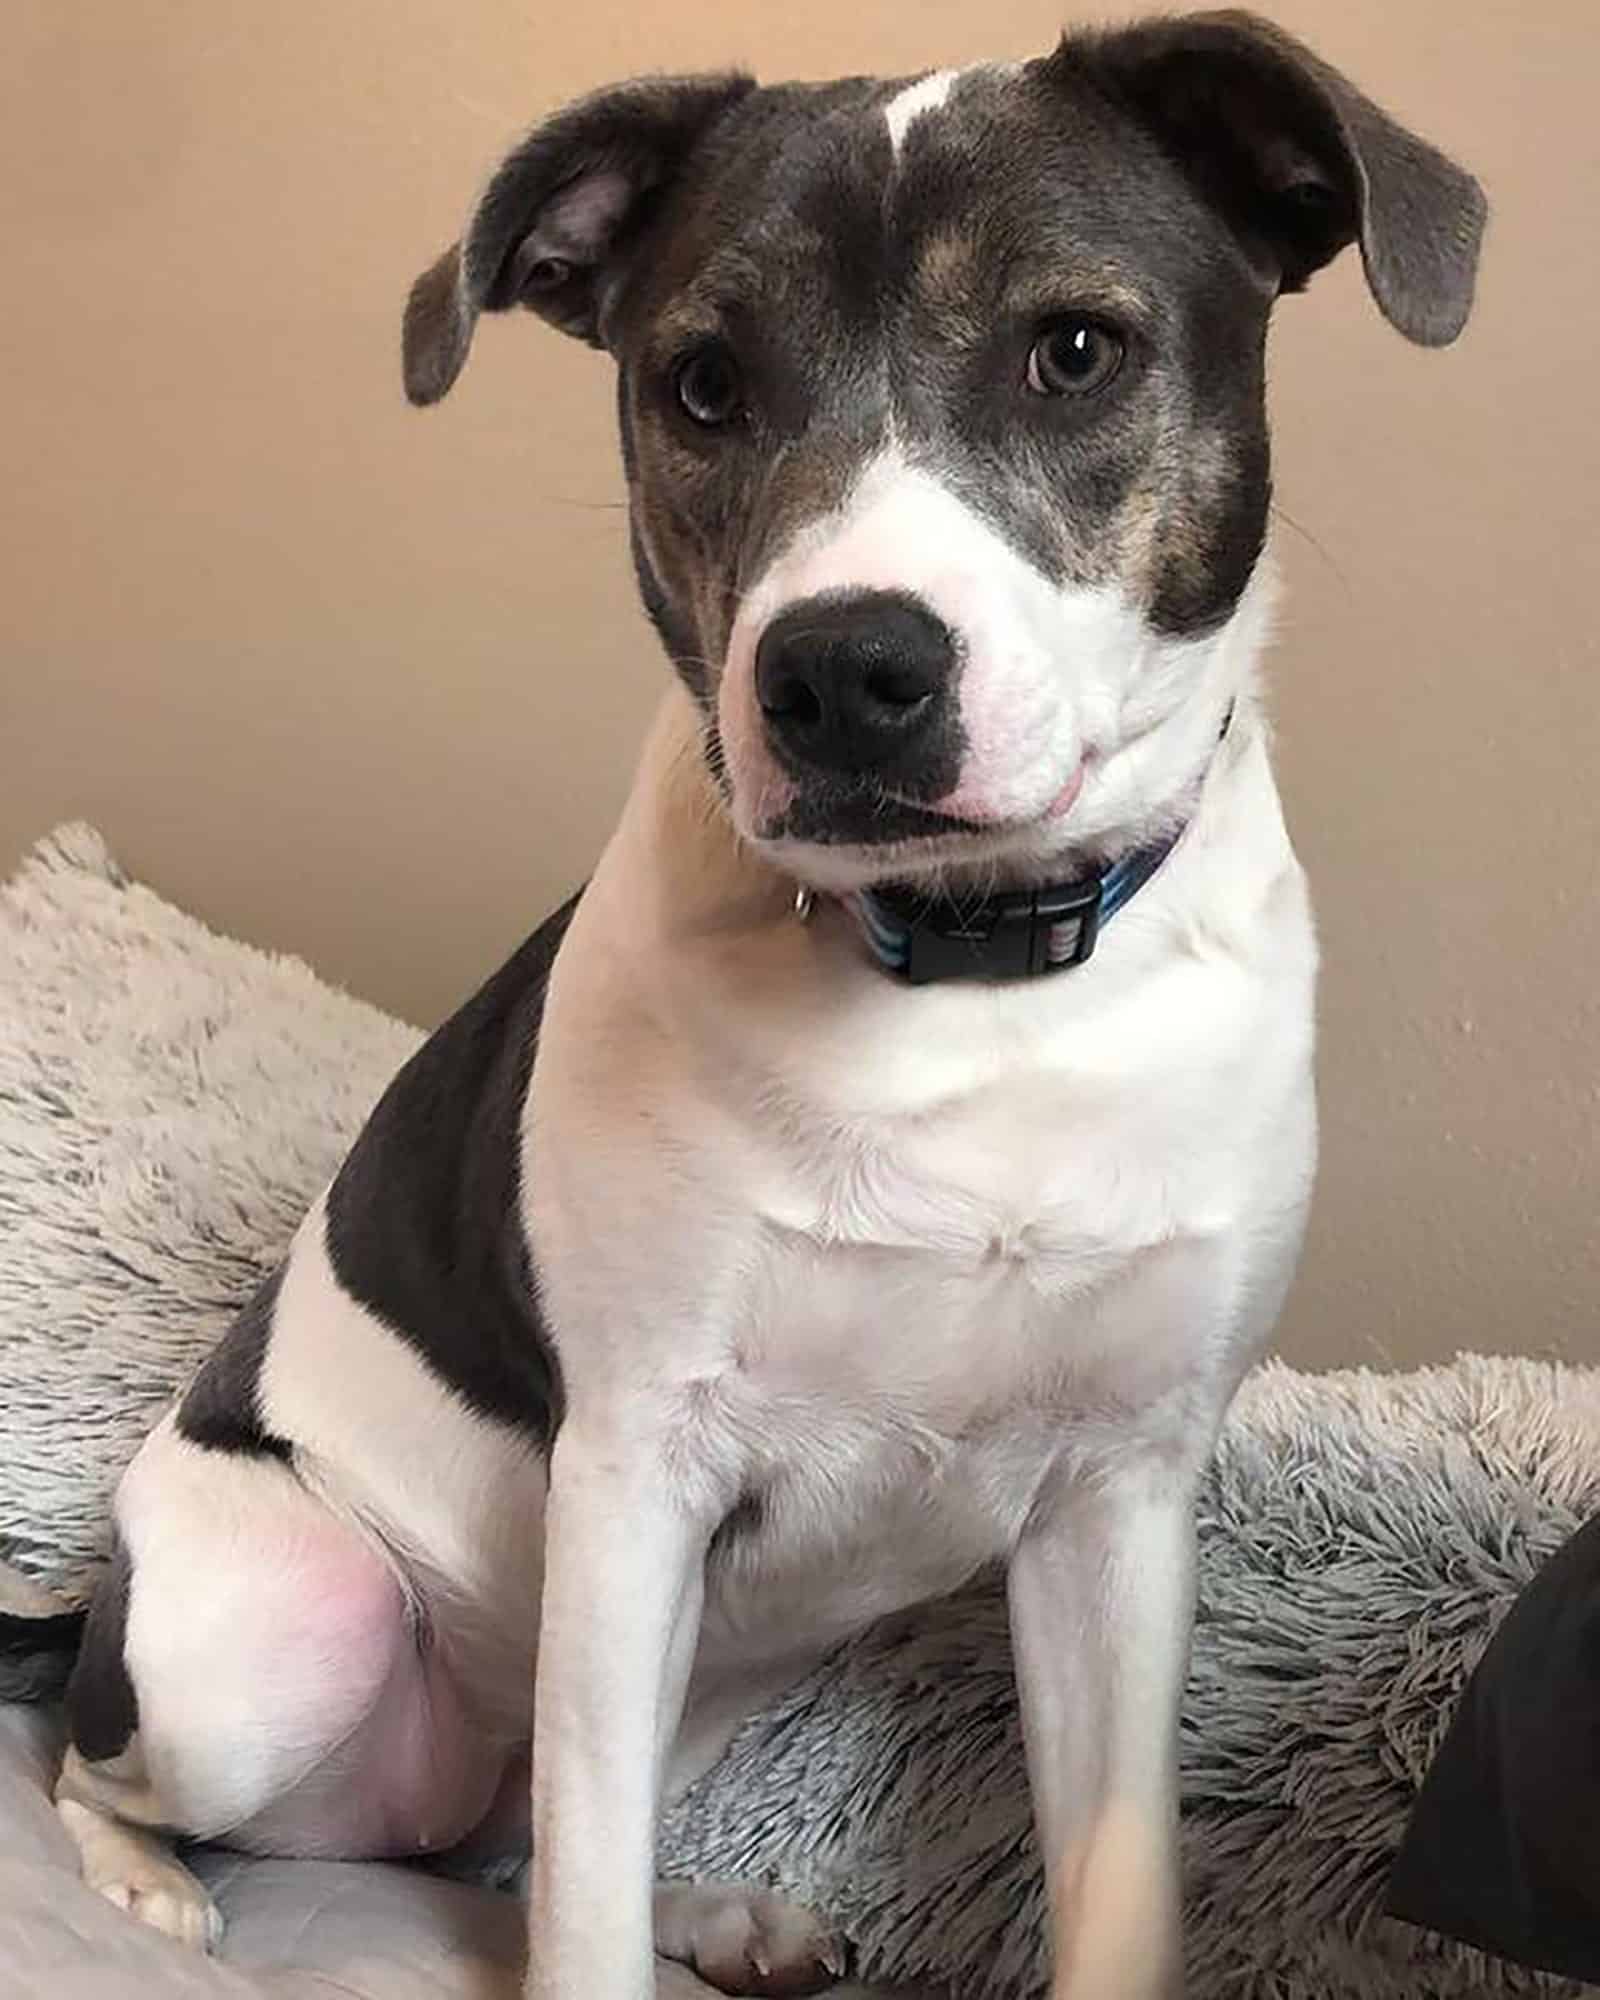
(942, 408)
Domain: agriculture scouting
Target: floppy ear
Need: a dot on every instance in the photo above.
(554, 227)
(1299, 161)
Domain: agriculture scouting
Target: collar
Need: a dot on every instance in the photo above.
(1013, 934)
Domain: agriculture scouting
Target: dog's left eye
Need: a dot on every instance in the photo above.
(708, 386)
(1074, 357)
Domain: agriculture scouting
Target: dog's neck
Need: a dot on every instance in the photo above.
(707, 888)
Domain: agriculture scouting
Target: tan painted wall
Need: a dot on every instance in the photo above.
(364, 684)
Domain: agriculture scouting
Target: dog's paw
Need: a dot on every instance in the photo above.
(133, 1870)
(746, 1941)
(169, 1899)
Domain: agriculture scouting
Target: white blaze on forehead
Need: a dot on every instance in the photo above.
(927, 94)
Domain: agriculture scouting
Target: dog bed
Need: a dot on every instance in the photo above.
(169, 1102)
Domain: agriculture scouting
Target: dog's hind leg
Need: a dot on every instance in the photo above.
(104, 1796)
(253, 1671)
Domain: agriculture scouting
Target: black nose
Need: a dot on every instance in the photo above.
(858, 684)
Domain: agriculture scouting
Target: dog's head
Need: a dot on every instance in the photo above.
(942, 407)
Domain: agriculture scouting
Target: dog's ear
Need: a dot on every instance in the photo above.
(559, 218)
(1299, 161)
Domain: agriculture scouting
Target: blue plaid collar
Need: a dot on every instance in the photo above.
(1018, 934)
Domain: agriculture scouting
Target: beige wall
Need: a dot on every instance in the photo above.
(364, 684)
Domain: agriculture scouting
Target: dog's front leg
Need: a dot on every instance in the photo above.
(1101, 1596)
(624, 1569)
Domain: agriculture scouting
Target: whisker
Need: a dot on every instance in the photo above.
(1282, 513)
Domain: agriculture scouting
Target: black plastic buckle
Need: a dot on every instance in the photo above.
(1021, 935)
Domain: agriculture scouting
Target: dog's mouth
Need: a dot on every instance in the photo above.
(852, 837)
(864, 817)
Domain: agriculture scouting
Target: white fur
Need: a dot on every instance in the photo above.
(624, 1574)
(1057, 682)
(917, 100)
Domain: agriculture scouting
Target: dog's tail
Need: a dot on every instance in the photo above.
(39, 1639)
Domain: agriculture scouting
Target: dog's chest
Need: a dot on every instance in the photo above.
(930, 1319)
(933, 1258)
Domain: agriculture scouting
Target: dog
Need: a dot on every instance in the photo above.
(889, 1163)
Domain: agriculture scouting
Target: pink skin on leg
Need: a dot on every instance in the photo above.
(295, 1701)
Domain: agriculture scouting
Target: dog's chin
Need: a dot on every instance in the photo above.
(837, 841)
(941, 853)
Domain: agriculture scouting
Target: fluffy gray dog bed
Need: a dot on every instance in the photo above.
(170, 1101)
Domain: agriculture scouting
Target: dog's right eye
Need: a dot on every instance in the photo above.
(707, 385)
(1077, 356)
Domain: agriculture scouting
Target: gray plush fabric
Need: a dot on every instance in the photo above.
(169, 1102)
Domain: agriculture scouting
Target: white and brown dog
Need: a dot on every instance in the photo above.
(891, 1162)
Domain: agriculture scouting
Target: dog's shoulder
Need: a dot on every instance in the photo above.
(423, 1221)
(422, 1224)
